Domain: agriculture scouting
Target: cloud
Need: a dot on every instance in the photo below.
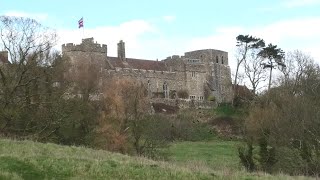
(145, 40)
(37, 16)
(169, 18)
(302, 33)
(292, 34)
(131, 32)
(299, 3)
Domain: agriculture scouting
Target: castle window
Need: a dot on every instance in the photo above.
(165, 90)
(217, 59)
(200, 98)
(193, 74)
(192, 97)
(221, 59)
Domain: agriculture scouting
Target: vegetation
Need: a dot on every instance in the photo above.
(44, 99)
(30, 160)
(216, 154)
(285, 120)
(183, 94)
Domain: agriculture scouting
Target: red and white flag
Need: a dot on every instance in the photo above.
(80, 23)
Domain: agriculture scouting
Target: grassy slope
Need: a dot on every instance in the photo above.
(30, 160)
(216, 154)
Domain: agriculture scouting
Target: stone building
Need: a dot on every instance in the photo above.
(202, 74)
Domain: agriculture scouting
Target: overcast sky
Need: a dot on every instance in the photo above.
(157, 29)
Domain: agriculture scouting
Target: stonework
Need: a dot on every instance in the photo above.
(201, 73)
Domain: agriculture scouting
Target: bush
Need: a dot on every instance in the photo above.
(267, 154)
(149, 134)
(246, 156)
(183, 94)
(289, 161)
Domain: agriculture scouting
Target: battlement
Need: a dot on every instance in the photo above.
(212, 55)
(87, 45)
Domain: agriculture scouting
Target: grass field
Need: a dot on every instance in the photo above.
(216, 154)
(30, 160)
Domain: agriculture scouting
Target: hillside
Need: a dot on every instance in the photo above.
(31, 160)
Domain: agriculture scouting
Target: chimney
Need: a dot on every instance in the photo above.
(4, 57)
(121, 51)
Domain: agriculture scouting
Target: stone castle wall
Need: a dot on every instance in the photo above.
(193, 72)
(87, 45)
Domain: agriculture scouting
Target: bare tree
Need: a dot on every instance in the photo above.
(254, 71)
(296, 63)
(245, 44)
(26, 79)
(28, 44)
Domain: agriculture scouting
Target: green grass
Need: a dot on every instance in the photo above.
(227, 110)
(31, 160)
(216, 154)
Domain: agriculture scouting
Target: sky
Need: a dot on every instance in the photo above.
(158, 29)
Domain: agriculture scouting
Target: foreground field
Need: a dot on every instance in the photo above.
(30, 160)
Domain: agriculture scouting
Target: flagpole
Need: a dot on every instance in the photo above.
(83, 29)
(81, 25)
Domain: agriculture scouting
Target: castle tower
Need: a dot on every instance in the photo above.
(121, 51)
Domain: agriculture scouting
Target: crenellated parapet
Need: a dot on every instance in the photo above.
(209, 55)
(87, 45)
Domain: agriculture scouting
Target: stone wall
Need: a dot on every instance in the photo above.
(194, 72)
(186, 103)
(87, 45)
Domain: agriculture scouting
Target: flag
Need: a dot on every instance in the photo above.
(80, 23)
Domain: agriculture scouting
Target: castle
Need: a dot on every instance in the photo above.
(202, 74)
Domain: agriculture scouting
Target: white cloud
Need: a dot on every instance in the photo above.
(302, 34)
(299, 3)
(143, 40)
(130, 32)
(169, 18)
(37, 16)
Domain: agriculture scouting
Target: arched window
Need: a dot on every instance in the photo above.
(217, 59)
(165, 90)
(221, 59)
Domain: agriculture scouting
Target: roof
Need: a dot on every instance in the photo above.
(138, 64)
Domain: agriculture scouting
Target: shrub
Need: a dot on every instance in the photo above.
(183, 94)
(150, 133)
(246, 156)
(267, 154)
(289, 161)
